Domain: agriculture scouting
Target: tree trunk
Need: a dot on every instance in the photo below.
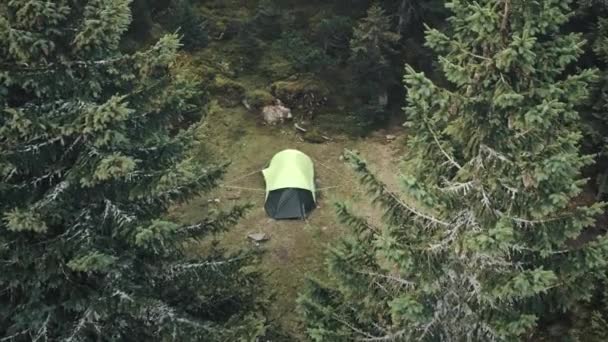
(383, 98)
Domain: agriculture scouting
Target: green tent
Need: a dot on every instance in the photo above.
(290, 185)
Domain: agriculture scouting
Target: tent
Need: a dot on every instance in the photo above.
(290, 185)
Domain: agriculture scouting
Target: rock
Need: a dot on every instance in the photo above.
(341, 157)
(276, 113)
(258, 237)
(234, 195)
(390, 137)
(324, 228)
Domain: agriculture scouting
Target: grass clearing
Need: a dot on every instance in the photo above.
(295, 248)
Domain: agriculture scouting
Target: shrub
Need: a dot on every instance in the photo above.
(304, 92)
(334, 35)
(249, 47)
(259, 98)
(267, 21)
(314, 136)
(183, 17)
(275, 66)
(304, 56)
(230, 92)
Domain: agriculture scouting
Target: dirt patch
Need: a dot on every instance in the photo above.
(282, 254)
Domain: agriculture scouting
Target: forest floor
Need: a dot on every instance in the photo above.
(296, 249)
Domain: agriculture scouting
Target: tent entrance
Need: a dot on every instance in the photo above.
(289, 203)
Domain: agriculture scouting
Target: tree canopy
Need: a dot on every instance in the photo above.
(94, 150)
(479, 212)
(490, 235)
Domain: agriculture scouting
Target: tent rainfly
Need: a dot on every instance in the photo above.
(290, 185)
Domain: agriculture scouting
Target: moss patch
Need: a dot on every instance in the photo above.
(259, 98)
(230, 93)
(314, 136)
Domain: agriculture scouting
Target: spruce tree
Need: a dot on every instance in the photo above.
(93, 150)
(184, 19)
(592, 16)
(371, 46)
(489, 236)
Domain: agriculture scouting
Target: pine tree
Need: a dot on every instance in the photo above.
(589, 322)
(371, 45)
(191, 26)
(592, 16)
(490, 236)
(93, 150)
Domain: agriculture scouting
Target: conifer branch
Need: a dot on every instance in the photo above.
(448, 157)
(382, 193)
(350, 326)
(15, 335)
(389, 337)
(399, 280)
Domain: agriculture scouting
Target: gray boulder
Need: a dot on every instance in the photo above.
(258, 237)
(276, 113)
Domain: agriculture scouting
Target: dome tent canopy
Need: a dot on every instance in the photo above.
(290, 185)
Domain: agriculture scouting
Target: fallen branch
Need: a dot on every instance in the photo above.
(300, 128)
(246, 104)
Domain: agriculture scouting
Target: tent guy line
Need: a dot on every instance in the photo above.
(241, 188)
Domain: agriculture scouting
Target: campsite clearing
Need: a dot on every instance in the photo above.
(296, 248)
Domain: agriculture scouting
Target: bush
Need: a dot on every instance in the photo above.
(249, 47)
(267, 21)
(304, 92)
(230, 92)
(313, 135)
(334, 36)
(275, 66)
(259, 98)
(369, 115)
(183, 17)
(304, 56)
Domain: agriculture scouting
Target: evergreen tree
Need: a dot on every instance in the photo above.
(592, 17)
(589, 322)
(492, 237)
(93, 150)
(371, 45)
(191, 26)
